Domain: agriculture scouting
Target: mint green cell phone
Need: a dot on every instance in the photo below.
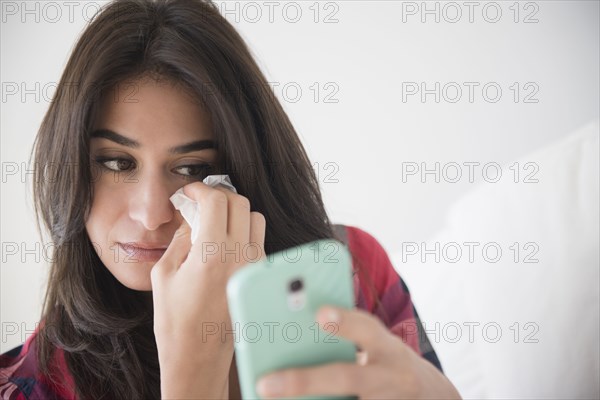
(273, 305)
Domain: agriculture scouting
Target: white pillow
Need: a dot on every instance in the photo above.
(555, 302)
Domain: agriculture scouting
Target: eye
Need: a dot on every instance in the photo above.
(115, 164)
(194, 170)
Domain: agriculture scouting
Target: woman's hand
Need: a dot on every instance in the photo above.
(386, 367)
(192, 325)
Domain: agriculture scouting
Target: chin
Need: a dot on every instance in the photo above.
(136, 278)
(143, 287)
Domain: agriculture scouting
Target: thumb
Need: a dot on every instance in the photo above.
(178, 249)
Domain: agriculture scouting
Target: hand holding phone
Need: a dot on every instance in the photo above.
(273, 305)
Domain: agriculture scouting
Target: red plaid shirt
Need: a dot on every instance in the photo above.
(21, 379)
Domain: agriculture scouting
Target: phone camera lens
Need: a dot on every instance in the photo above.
(296, 285)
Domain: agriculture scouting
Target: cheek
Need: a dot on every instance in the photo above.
(108, 206)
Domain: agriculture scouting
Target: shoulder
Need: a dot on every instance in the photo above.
(362, 244)
(369, 257)
(21, 377)
(355, 237)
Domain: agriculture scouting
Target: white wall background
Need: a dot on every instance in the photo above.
(366, 51)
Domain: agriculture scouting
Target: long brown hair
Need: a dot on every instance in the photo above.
(106, 329)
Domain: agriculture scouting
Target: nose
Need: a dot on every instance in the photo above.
(150, 204)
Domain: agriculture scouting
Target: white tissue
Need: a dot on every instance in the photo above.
(190, 209)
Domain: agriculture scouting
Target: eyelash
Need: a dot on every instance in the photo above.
(102, 160)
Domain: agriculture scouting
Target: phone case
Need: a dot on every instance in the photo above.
(275, 322)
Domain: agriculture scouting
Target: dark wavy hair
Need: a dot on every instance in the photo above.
(106, 329)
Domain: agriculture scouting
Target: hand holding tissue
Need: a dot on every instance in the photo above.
(190, 209)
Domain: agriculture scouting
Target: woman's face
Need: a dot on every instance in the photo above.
(149, 139)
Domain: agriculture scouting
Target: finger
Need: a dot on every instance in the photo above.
(331, 379)
(258, 227)
(238, 218)
(358, 326)
(238, 227)
(178, 249)
(213, 213)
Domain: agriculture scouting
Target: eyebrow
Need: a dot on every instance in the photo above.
(125, 141)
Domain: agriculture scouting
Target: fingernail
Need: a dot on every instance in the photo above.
(332, 315)
(270, 386)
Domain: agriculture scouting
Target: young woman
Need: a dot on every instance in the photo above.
(156, 96)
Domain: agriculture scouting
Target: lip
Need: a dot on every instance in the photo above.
(141, 252)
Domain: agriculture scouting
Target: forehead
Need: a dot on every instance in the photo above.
(148, 106)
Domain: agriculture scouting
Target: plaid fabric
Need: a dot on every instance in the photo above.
(20, 378)
(396, 309)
